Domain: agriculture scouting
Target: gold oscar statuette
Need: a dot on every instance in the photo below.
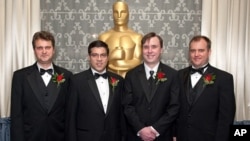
(124, 43)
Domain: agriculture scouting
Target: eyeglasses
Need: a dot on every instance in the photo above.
(96, 55)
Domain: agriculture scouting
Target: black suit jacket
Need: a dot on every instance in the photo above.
(86, 119)
(209, 116)
(158, 109)
(35, 116)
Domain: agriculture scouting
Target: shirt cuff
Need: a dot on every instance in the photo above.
(157, 134)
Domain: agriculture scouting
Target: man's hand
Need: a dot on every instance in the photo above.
(147, 134)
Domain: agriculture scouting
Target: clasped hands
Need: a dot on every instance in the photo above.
(148, 133)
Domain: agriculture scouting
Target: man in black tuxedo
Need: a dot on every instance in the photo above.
(207, 97)
(94, 112)
(38, 95)
(151, 95)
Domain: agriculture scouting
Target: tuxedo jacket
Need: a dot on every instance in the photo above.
(158, 108)
(86, 119)
(37, 111)
(209, 115)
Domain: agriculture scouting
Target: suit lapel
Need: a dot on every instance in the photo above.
(37, 84)
(155, 87)
(144, 82)
(111, 94)
(94, 89)
(200, 85)
(187, 84)
(53, 89)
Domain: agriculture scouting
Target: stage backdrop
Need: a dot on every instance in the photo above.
(75, 23)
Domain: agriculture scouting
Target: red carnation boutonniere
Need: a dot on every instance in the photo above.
(160, 77)
(113, 82)
(58, 78)
(209, 79)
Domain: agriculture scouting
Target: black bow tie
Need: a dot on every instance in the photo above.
(104, 75)
(199, 70)
(49, 71)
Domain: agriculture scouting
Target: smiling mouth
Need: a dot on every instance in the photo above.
(150, 56)
(197, 59)
(99, 64)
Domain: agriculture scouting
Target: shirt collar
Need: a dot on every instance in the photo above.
(202, 67)
(39, 67)
(147, 69)
(94, 71)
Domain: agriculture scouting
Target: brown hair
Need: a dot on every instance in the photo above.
(151, 35)
(198, 38)
(45, 35)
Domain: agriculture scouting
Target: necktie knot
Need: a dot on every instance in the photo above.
(151, 73)
(49, 71)
(104, 75)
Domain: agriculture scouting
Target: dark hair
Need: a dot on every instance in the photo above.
(151, 35)
(45, 35)
(98, 43)
(198, 38)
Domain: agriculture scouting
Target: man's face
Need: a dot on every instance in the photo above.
(44, 51)
(151, 51)
(98, 58)
(120, 13)
(199, 53)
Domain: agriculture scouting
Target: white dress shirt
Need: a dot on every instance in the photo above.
(46, 76)
(196, 77)
(103, 88)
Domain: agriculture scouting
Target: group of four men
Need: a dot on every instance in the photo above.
(153, 102)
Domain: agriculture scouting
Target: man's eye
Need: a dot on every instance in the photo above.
(103, 55)
(48, 47)
(39, 48)
(94, 55)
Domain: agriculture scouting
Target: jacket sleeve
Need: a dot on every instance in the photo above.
(226, 108)
(16, 112)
